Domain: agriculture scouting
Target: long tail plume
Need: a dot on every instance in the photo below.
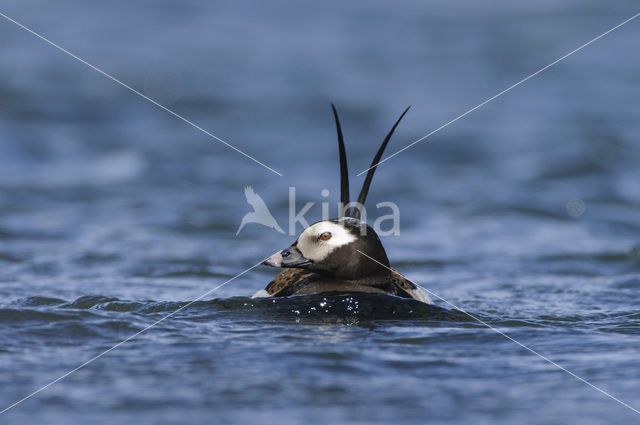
(344, 172)
(367, 181)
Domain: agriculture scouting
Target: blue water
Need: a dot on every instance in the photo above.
(113, 213)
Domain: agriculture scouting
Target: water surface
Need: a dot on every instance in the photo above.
(114, 214)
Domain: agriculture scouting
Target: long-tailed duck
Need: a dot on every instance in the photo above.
(342, 255)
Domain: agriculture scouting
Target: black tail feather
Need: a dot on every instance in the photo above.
(374, 164)
(344, 172)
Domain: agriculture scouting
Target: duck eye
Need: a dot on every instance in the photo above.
(325, 236)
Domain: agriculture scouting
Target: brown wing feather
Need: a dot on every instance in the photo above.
(408, 289)
(401, 282)
(287, 281)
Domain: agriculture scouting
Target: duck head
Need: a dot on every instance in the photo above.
(335, 248)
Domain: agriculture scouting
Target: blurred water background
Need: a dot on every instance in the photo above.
(114, 213)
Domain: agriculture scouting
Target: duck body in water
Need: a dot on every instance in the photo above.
(342, 255)
(338, 256)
